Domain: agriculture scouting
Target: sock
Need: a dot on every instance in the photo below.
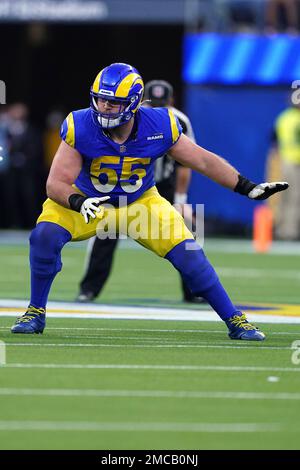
(200, 277)
(46, 243)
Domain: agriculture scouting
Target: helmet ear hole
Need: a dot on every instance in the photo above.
(95, 104)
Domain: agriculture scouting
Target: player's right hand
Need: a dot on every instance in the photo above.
(91, 206)
(87, 206)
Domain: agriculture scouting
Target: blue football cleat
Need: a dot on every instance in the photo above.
(33, 321)
(240, 328)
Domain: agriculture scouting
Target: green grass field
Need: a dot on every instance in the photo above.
(141, 277)
(133, 384)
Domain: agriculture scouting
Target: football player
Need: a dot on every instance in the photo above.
(107, 154)
(172, 181)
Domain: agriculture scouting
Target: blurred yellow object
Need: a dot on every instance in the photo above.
(262, 229)
(51, 143)
(274, 173)
(287, 130)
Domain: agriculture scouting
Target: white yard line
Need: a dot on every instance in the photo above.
(142, 313)
(138, 427)
(152, 367)
(144, 339)
(139, 338)
(13, 308)
(210, 394)
(147, 340)
(200, 344)
(153, 330)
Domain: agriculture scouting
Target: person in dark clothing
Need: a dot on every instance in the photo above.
(25, 161)
(172, 181)
(4, 169)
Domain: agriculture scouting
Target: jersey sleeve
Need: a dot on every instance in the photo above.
(175, 128)
(67, 131)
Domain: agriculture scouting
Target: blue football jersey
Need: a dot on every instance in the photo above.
(111, 169)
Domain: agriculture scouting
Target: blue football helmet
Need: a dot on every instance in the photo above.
(122, 85)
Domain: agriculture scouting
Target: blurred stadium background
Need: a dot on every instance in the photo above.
(232, 64)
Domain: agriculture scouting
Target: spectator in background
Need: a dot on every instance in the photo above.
(25, 167)
(4, 168)
(242, 15)
(286, 150)
(282, 15)
(4, 140)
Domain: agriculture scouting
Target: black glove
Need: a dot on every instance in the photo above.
(259, 191)
(87, 206)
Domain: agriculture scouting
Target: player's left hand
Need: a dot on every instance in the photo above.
(265, 190)
(259, 191)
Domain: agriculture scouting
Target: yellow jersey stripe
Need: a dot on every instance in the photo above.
(70, 137)
(126, 84)
(97, 82)
(174, 128)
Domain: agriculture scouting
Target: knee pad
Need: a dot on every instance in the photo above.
(189, 259)
(46, 243)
